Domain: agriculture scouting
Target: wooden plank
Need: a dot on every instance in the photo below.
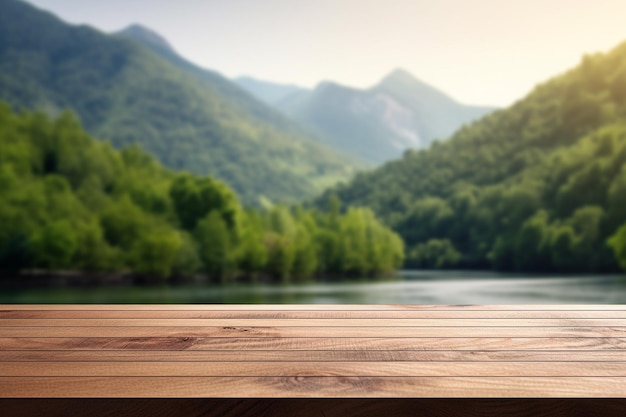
(319, 343)
(313, 355)
(329, 332)
(312, 369)
(269, 314)
(313, 351)
(312, 387)
(312, 307)
(309, 323)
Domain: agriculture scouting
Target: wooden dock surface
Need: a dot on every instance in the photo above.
(313, 351)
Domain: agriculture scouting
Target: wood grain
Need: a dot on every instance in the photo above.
(313, 387)
(312, 369)
(242, 344)
(309, 332)
(123, 355)
(312, 351)
(308, 323)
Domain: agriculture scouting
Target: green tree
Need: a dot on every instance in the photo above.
(187, 260)
(123, 222)
(329, 251)
(587, 223)
(430, 217)
(618, 243)
(305, 258)
(93, 253)
(353, 237)
(252, 253)
(531, 245)
(194, 198)
(54, 245)
(280, 255)
(215, 245)
(436, 253)
(154, 253)
(563, 244)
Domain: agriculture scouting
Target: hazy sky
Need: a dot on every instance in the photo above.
(478, 51)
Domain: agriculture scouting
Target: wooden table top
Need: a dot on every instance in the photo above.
(312, 351)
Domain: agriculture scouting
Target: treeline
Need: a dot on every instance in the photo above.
(540, 186)
(189, 118)
(69, 202)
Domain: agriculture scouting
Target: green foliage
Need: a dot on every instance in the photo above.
(154, 253)
(427, 217)
(93, 253)
(54, 245)
(531, 248)
(132, 93)
(280, 256)
(436, 253)
(123, 223)
(122, 211)
(252, 253)
(562, 247)
(539, 186)
(216, 246)
(187, 261)
(618, 244)
(194, 198)
(354, 243)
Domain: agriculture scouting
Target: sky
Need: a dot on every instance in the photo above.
(488, 52)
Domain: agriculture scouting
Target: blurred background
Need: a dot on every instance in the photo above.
(457, 152)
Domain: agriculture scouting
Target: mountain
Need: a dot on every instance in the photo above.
(354, 121)
(539, 186)
(223, 87)
(377, 124)
(269, 92)
(435, 115)
(131, 87)
(147, 36)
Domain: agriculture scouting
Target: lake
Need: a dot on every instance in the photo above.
(407, 287)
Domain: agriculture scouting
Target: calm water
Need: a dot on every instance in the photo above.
(408, 287)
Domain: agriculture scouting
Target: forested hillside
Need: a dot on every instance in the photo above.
(540, 186)
(68, 201)
(130, 91)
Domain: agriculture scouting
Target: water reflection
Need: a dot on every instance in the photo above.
(408, 287)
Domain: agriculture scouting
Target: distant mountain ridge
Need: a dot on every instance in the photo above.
(436, 114)
(378, 123)
(269, 92)
(132, 88)
(147, 36)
